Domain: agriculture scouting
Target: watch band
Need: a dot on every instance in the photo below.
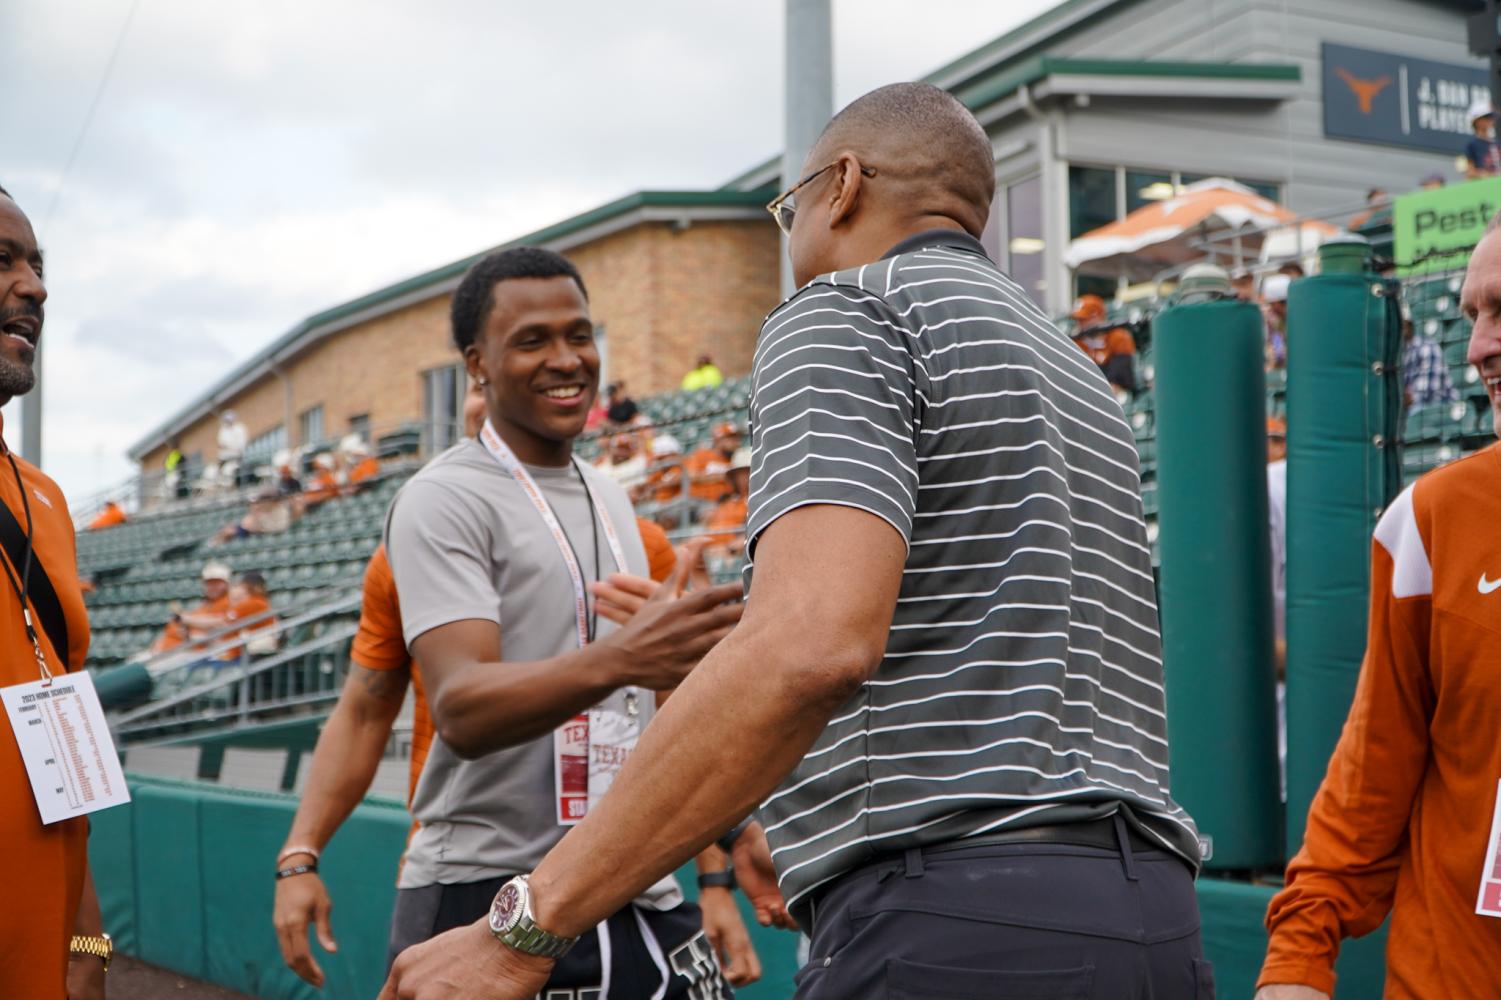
(727, 842)
(717, 880)
(100, 946)
(512, 925)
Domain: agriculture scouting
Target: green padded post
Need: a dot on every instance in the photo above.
(1344, 401)
(123, 686)
(1215, 587)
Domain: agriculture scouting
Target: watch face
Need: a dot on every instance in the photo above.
(506, 911)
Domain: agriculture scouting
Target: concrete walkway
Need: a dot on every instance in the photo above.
(131, 979)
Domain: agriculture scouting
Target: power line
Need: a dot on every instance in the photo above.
(83, 131)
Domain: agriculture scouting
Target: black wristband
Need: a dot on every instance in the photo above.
(297, 870)
(726, 843)
(717, 880)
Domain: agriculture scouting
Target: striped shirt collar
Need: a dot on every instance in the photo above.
(956, 238)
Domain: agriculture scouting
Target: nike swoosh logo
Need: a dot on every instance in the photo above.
(1489, 586)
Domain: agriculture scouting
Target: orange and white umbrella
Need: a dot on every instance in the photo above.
(1172, 231)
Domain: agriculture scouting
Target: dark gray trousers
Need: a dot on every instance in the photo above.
(1026, 920)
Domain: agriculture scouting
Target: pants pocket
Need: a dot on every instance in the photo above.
(1203, 979)
(916, 981)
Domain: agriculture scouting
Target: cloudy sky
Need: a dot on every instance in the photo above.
(248, 164)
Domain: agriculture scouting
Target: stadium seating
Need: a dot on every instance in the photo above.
(141, 567)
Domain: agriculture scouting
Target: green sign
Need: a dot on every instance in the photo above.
(1435, 230)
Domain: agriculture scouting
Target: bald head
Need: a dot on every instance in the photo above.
(924, 141)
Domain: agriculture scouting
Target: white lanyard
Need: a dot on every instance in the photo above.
(508, 461)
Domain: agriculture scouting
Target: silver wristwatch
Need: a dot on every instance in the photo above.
(511, 922)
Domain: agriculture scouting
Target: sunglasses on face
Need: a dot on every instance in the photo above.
(782, 207)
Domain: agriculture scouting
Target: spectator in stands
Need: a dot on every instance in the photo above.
(1276, 495)
(1276, 485)
(208, 616)
(1404, 821)
(175, 480)
(233, 437)
(1378, 211)
(707, 467)
(496, 523)
(1432, 182)
(1274, 314)
(665, 481)
(248, 603)
(110, 515)
(1243, 285)
(624, 462)
(620, 408)
(47, 882)
(287, 483)
(324, 485)
(270, 513)
(1110, 346)
(1425, 376)
(726, 523)
(360, 466)
(705, 375)
(1482, 157)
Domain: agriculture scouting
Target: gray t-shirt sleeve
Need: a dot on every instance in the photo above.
(439, 551)
(833, 411)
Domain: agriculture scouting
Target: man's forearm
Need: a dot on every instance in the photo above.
(344, 764)
(489, 706)
(739, 723)
(90, 921)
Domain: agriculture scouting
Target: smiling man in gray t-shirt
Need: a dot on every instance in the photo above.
(536, 700)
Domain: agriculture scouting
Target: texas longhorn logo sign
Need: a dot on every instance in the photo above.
(1365, 91)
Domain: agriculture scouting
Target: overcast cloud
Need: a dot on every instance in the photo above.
(250, 164)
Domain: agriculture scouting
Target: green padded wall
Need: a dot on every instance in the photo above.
(1215, 587)
(184, 878)
(1343, 467)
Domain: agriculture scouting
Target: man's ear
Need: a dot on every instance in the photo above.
(844, 192)
(472, 360)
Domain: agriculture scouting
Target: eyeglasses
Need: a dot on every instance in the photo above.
(783, 209)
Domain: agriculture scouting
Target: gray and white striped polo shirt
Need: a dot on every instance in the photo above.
(1022, 681)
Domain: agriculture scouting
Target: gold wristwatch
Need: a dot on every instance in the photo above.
(101, 946)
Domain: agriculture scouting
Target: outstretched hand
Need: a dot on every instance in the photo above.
(669, 632)
(758, 878)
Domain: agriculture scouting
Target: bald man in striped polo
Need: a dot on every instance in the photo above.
(945, 698)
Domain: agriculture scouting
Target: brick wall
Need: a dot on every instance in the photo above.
(663, 294)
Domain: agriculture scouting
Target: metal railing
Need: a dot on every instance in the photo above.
(194, 689)
(188, 486)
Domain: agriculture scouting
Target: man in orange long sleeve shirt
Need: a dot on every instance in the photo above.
(1404, 819)
(48, 895)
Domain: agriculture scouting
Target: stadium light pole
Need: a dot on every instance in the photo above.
(31, 416)
(808, 102)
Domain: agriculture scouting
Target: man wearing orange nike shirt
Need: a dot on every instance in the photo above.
(47, 885)
(1406, 821)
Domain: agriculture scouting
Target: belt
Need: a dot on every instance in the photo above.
(1099, 833)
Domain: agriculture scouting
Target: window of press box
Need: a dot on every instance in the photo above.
(310, 425)
(442, 406)
(360, 424)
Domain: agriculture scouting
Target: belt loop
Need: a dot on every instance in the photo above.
(1123, 839)
(914, 862)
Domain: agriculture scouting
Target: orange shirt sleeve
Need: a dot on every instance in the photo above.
(1341, 883)
(1119, 341)
(660, 556)
(366, 468)
(379, 645)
